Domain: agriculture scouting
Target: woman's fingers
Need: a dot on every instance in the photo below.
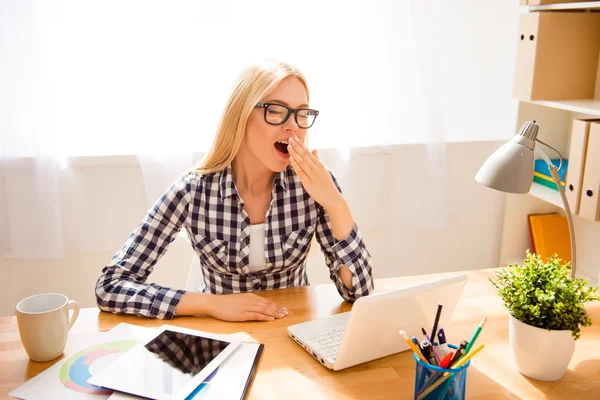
(254, 316)
(299, 169)
(303, 150)
(268, 308)
(273, 305)
(276, 307)
(245, 307)
(302, 155)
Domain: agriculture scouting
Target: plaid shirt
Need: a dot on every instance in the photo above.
(210, 209)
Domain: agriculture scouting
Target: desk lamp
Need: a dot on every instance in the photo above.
(510, 169)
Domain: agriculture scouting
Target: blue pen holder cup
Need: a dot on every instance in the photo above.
(452, 388)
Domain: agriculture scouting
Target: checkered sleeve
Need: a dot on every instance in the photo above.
(350, 251)
(121, 289)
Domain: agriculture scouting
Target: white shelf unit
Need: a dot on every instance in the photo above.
(588, 106)
(546, 194)
(555, 119)
(593, 6)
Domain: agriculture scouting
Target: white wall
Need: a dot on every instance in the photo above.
(387, 192)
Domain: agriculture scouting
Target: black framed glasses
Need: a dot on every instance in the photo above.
(277, 114)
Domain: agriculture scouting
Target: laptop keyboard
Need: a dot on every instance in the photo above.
(328, 343)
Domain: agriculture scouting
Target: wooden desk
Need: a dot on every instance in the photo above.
(286, 371)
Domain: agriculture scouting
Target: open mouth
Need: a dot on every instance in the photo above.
(282, 147)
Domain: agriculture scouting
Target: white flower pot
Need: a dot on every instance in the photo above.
(540, 354)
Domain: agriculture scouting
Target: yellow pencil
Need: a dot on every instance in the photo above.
(466, 358)
(413, 346)
(459, 363)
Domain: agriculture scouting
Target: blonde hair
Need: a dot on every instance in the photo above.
(253, 85)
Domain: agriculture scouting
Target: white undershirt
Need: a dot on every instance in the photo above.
(257, 248)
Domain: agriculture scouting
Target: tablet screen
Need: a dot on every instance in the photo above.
(181, 352)
(168, 362)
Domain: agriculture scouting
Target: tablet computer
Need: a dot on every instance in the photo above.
(169, 366)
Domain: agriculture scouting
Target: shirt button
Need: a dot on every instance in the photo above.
(161, 315)
(256, 286)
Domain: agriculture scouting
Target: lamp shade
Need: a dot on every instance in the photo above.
(510, 168)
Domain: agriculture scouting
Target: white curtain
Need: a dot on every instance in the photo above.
(84, 78)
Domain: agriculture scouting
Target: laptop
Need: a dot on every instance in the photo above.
(370, 330)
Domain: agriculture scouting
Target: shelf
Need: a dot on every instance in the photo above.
(593, 6)
(586, 106)
(546, 194)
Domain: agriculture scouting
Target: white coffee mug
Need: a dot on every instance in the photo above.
(44, 324)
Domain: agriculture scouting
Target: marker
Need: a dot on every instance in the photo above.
(443, 343)
(413, 347)
(475, 335)
(446, 361)
(441, 336)
(437, 320)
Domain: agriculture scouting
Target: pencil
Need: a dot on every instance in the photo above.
(467, 357)
(412, 346)
(475, 335)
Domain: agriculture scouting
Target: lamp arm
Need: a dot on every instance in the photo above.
(556, 178)
(546, 157)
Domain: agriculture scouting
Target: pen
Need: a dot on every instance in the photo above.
(413, 347)
(459, 352)
(437, 357)
(477, 332)
(428, 352)
(416, 342)
(437, 320)
(425, 334)
(460, 363)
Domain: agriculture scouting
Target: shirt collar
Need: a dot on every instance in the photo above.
(281, 178)
(227, 185)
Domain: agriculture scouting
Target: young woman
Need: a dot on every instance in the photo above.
(250, 209)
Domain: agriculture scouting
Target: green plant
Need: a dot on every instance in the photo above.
(542, 294)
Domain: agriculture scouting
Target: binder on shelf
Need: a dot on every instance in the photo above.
(550, 235)
(579, 142)
(546, 40)
(589, 205)
(545, 2)
(541, 173)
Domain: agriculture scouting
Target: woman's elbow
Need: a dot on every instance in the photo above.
(106, 291)
(102, 294)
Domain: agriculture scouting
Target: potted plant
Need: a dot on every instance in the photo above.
(546, 311)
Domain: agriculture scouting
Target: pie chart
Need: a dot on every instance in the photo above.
(75, 372)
